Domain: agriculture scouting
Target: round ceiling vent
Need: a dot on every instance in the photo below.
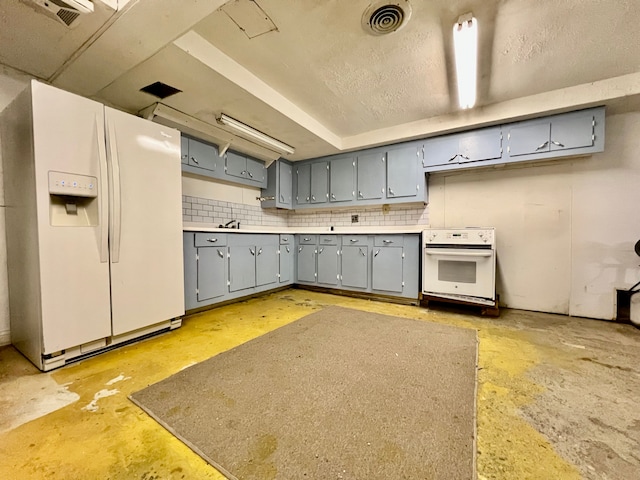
(383, 17)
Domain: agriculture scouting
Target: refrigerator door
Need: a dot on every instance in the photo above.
(146, 222)
(68, 138)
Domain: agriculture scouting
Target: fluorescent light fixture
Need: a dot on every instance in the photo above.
(465, 41)
(252, 134)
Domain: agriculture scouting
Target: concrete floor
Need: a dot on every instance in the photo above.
(557, 396)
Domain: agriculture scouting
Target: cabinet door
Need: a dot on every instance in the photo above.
(402, 172)
(286, 256)
(202, 155)
(307, 263)
(303, 183)
(184, 150)
(285, 172)
(371, 169)
(387, 269)
(266, 265)
(211, 278)
(484, 144)
(319, 182)
(354, 266)
(440, 151)
(529, 138)
(256, 171)
(242, 268)
(341, 179)
(236, 165)
(572, 131)
(328, 264)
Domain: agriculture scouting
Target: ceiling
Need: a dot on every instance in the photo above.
(308, 74)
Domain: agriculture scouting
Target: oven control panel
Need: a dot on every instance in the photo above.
(459, 236)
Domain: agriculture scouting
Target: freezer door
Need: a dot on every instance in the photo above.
(146, 222)
(68, 137)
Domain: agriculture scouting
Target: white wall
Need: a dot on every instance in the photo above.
(11, 83)
(565, 229)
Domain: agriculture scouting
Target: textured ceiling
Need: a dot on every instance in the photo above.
(319, 82)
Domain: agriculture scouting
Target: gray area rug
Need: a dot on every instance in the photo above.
(338, 394)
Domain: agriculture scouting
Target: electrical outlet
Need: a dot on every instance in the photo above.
(386, 209)
(354, 218)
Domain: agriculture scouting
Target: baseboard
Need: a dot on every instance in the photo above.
(5, 337)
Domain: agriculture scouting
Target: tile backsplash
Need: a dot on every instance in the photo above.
(217, 212)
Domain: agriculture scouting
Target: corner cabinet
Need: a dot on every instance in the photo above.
(279, 191)
(219, 267)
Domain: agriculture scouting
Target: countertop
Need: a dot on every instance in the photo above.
(365, 230)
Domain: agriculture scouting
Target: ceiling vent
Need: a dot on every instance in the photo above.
(160, 90)
(66, 11)
(384, 17)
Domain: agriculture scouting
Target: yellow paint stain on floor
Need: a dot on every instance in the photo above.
(119, 441)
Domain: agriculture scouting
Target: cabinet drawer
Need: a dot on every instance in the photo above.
(308, 239)
(328, 239)
(286, 239)
(354, 240)
(388, 241)
(211, 239)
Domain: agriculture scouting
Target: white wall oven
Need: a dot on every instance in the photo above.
(460, 264)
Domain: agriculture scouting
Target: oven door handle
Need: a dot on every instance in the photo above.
(441, 251)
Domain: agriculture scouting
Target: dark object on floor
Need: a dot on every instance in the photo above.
(340, 393)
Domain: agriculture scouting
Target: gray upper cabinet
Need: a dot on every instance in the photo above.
(342, 179)
(572, 133)
(478, 145)
(303, 184)
(319, 182)
(199, 154)
(279, 191)
(402, 172)
(247, 168)
(371, 172)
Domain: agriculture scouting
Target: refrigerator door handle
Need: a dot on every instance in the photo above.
(104, 192)
(116, 210)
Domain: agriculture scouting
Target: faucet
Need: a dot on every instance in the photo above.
(227, 225)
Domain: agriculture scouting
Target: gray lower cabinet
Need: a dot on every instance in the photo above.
(355, 263)
(285, 259)
(382, 264)
(220, 267)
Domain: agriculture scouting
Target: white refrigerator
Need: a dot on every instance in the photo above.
(94, 225)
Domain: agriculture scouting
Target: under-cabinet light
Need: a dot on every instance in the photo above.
(253, 134)
(465, 41)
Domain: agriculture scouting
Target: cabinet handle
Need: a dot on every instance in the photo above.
(321, 250)
(285, 239)
(333, 197)
(300, 249)
(287, 249)
(250, 174)
(540, 147)
(281, 198)
(453, 158)
(220, 254)
(307, 199)
(557, 144)
(353, 240)
(313, 198)
(387, 241)
(376, 254)
(253, 252)
(193, 159)
(391, 192)
(184, 156)
(307, 239)
(362, 253)
(259, 251)
(360, 194)
(212, 240)
(464, 156)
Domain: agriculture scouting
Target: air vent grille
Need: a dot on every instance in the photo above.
(160, 90)
(384, 17)
(67, 16)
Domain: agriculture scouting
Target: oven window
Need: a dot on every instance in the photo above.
(456, 271)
